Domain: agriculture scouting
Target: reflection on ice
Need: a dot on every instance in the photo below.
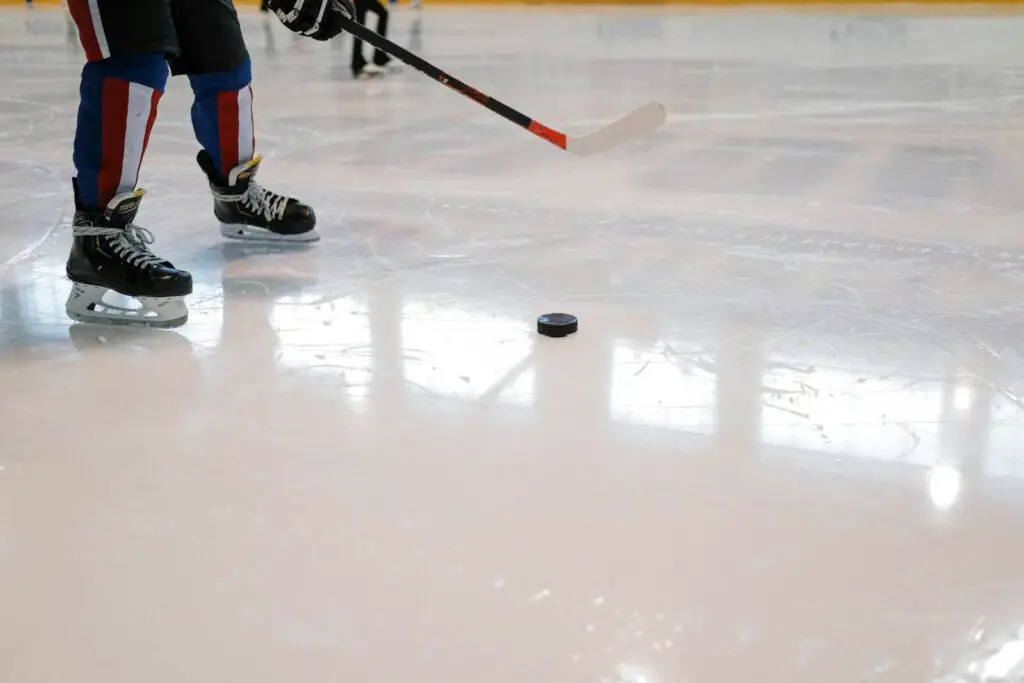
(330, 337)
(999, 658)
(824, 409)
(1005, 439)
(655, 387)
(465, 352)
(944, 486)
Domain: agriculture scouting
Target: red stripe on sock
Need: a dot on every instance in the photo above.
(86, 31)
(227, 122)
(252, 120)
(149, 126)
(115, 124)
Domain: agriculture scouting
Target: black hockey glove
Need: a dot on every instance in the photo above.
(317, 19)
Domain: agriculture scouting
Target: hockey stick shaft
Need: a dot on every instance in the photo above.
(500, 108)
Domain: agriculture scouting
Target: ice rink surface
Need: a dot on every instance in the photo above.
(787, 444)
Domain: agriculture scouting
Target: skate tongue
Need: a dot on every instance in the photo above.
(122, 208)
(243, 173)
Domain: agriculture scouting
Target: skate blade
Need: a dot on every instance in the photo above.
(251, 233)
(85, 305)
(374, 73)
(125, 321)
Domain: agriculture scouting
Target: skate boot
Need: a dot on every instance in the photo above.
(110, 254)
(248, 211)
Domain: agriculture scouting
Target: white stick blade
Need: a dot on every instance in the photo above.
(633, 125)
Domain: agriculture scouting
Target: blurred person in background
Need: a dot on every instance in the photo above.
(381, 64)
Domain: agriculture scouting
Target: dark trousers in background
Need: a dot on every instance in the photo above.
(363, 7)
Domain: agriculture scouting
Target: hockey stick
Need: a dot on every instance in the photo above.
(631, 126)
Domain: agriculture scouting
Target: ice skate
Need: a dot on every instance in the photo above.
(248, 211)
(110, 256)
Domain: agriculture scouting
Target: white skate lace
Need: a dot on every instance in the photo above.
(259, 201)
(131, 243)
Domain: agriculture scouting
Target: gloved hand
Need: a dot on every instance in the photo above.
(317, 19)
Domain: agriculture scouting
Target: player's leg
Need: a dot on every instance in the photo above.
(358, 60)
(214, 56)
(381, 64)
(380, 58)
(125, 45)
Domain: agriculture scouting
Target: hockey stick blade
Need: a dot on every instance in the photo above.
(633, 125)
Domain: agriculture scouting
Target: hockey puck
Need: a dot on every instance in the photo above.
(557, 324)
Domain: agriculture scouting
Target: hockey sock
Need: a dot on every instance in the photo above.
(222, 116)
(119, 98)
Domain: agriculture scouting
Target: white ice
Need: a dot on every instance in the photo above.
(786, 445)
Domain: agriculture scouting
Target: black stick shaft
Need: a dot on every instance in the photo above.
(415, 61)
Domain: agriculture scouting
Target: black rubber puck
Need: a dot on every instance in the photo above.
(557, 324)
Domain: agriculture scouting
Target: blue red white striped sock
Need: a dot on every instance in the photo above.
(222, 116)
(116, 112)
(86, 14)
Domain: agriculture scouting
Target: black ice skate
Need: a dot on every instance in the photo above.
(109, 253)
(248, 211)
